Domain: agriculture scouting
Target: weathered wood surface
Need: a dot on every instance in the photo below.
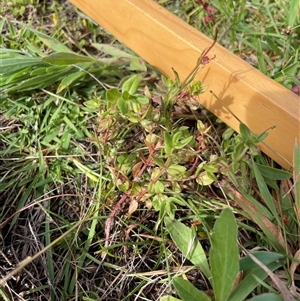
(165, 41)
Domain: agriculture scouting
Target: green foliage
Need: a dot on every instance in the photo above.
(224, 255)
(81, 132)
(224, 261)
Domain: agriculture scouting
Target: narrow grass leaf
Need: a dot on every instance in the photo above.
(273, 173)
(294, 10)
(256, 214)
(224, 255)
(264, 190)
(40, 81)
(68, 80)
(250, 282)
(264, 257)
(260, 58)
(52, 43)
(187, 291)
(72, 126)
(267, 297)
(185, 240)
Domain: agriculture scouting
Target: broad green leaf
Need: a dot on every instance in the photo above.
(224, 255)
(66, 58)
(158, 187)
(264, 257)
(142, 99)
(168, 143)
(239, 151)
(137, 63)
(131, 84)
(122, 105)
(175, 170)
(206, 178)
(186, 240)
(251, 281)
(112, 95)
(188, 292)
(244, 131)
(267, 297)
(182, 143)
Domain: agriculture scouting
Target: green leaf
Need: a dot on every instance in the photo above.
(112, 95)
(142, 99)
(17, 63)
(185, 239)
(131, 85)
(264, 257)
(93, 103)
(159, 187)
(68, 80)
(188, 292)
(175, 170)
(40, 81)
(122, 105)
(294, 10)
(267, 297)
(251, 281)
(137, 63)
(66, 58)
(168, 143)
(224, 255)
(52, 43)
(264, 190)
(245, 132)
(111, 50)
(239, 151)
(206, 178)
(260, 58)
(273, 173)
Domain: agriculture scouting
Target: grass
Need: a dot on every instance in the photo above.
(113, 188)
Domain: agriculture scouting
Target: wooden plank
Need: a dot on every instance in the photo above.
(165, 41)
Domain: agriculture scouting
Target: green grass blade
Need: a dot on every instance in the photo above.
(250, 282)
(294, 11)
(224, 255)
(267, 297)
(264, 257)
(265, 193)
